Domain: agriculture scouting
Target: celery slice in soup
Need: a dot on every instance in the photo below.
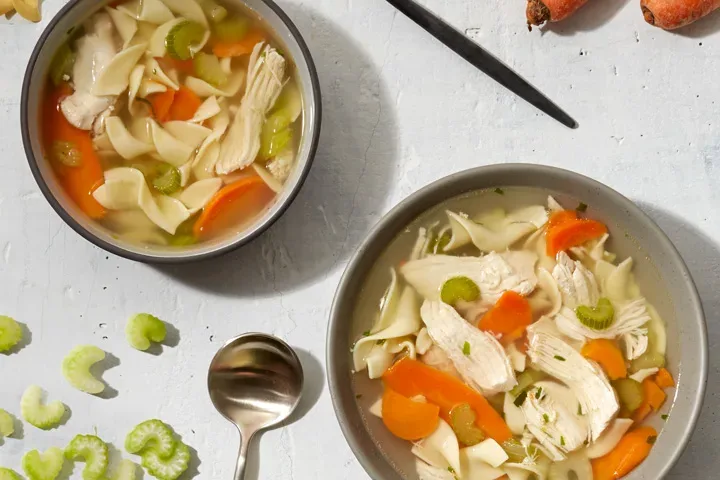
(168, 182)
(67, 154)
(459, 288)
(232, 29)
(207, 67)
(630, 393)
(183, 40)
(272, 143)
(597, 318)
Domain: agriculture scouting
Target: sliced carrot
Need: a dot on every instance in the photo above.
(184, 66)
(508, 318)
(632, 449)
(410, 377)
(654, 395)
(233, 204)
(185, 104)
(161, 103)
(79, 182)
(561, 217)
(407, 419)
(239, 48)
(608, 355)
(664, 379)
(642, 412)
(571, 233)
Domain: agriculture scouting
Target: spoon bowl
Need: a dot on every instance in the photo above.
(256, 382)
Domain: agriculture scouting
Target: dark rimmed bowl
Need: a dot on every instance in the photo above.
(633, 233)
(57, 32)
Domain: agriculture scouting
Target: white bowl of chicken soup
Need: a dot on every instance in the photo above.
(521, 322)
(170, 130)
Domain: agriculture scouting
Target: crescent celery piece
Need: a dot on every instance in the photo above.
(93, 451)
(76, 368)
(43, 466)
(167, 468)
(151, 434)
(35, 413)
(10, 333)
(7, 427)
(144, 328)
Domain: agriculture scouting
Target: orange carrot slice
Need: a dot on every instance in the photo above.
(232, 204)
(78, 181)
(608, 355)
(664, 379)
(632, 449)
(642, 412)
(653, 395)
(161, 103)
(184, 106)
(571, 233)
(561, 217)
(410, 377)
(240, 48)
(407, 419)
(508, 318)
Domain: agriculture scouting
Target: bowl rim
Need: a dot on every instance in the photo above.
(346, 286)
(244, 237)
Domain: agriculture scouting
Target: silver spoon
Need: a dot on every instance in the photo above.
(255, 381)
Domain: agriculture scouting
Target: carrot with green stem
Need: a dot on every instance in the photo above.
(672, 14)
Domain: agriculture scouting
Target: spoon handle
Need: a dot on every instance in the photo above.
(242, 456)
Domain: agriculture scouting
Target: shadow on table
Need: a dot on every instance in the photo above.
(702, 257)
(344, 193)
(591, 16)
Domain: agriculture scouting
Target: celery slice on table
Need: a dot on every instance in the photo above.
(43, 466)
(167, 468)
(93, 451)
(153, 435)
(143, 328)
(35, 413)
(10, 333)
(182, 38)
(7, 474)
(76, 368)
(125, 471)
(7, 424)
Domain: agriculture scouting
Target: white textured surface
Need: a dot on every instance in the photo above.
(400, 111)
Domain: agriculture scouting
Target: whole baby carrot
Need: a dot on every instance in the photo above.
(672, 14)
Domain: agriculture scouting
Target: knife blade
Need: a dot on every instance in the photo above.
(481, 59)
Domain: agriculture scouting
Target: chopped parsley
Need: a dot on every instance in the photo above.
(558, 357)
(520, 399)
(582, 207)
(380, 342)
(366, 333)
(539, 392)
(358, 396)
(562, 441)
(546, 418)
(466, 349)
(664, 417)
(651, 440)
(579, 409)
(500, 191)
(451, 470)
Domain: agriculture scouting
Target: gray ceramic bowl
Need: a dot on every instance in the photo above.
(632, 232)
(60, 27)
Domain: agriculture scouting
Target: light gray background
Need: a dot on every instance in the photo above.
(400, 111)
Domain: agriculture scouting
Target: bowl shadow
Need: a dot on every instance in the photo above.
(344, 192)
(702, 256)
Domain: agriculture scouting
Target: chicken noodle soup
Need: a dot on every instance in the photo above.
(512, 341)
(172, 121)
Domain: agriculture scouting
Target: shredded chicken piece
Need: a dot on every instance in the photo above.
(577, 284)
(241, 144)
(95, 50)
(477, 355)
